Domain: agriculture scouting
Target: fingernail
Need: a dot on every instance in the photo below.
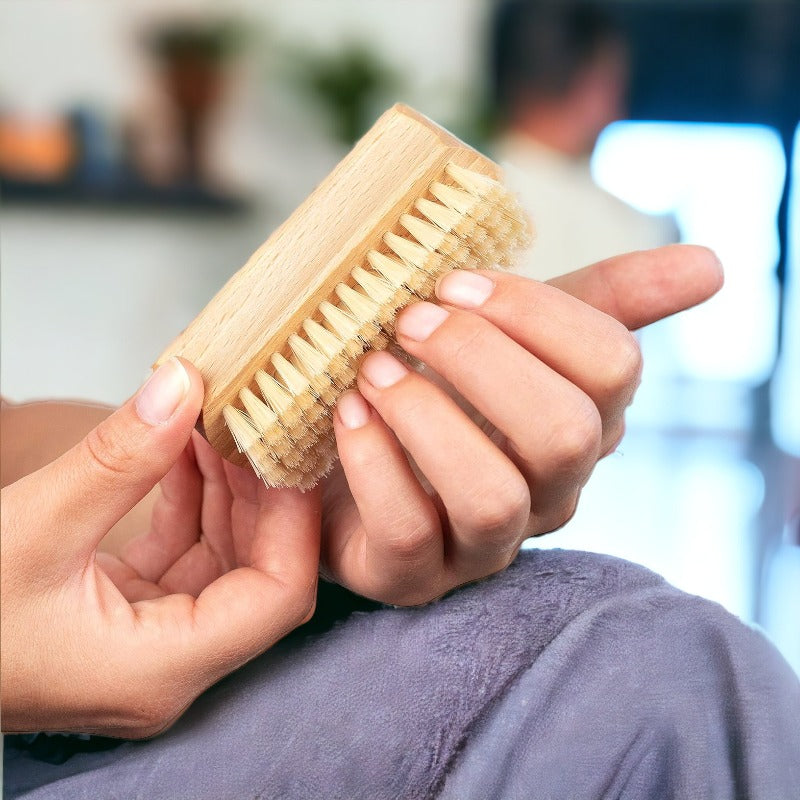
(163, 392)
(464, 289)
(382, 370)
(419, 321)
(353, 410)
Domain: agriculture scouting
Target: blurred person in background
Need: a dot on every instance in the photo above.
(560, 76)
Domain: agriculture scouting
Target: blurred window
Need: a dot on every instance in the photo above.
(723, 184)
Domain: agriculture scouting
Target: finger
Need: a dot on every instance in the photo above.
(248, 609)
(397, 551)
(640, 288)
(210, 553)
(189, 543)
(175, 522)
(245, 487)
(98, 481)
(587, 347)
(553, 427)
(484, 494)
(215, 514)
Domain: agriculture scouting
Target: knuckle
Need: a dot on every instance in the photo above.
(409, 400)
(501, 561)
(413, 538)
(148, 728)
(467, 337)
(612, 437)
(296, 600)
(425, 596)
(623, 372)
(146, 715)
(576, 440)
(505, 510)
(402, 589)
(107, 452)
(362, 459)
(523, 301)
(559, 516)
(304, 601)
(494, 563)
(411, 598)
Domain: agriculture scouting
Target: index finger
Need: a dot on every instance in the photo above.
(642, 287)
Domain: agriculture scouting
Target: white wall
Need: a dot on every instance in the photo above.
(53, 52)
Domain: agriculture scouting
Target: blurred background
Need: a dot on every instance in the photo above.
(147, 148)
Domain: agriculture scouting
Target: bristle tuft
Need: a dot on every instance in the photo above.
(344, 326)
(410, 252)
(261, 415)
(323, 340)
(375, 286)
(395, 272)
(445, 218)
(473, 182)
(295, 381)
(241, 427)
(429, 236)
(310, 360)
(276, 395)
(460, 201)
(363, 308)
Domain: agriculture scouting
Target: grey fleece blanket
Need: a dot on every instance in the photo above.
(570, 675)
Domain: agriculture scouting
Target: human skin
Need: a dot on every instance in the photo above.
(219, 567)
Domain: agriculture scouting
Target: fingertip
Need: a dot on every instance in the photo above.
(465, 288)
(380, 370)
(196, 388)
(163, 394)
(170, 396)
(692, 273)
(419, 321)
(642, 287)
(713, 269)
(353, 411)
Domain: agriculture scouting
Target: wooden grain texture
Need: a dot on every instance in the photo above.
(297, 268)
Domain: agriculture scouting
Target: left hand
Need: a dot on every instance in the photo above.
(550, 369)
(121, 646)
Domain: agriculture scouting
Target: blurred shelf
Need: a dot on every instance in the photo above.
(123, 195)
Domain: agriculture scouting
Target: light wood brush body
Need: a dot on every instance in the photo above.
(282, 340)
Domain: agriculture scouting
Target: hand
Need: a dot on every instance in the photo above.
(427, 498)
(122, 646)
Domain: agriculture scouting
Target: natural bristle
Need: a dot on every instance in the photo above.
(467, 221)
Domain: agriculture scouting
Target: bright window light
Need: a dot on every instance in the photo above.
(723, 184)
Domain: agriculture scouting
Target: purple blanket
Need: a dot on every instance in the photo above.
(570, 675)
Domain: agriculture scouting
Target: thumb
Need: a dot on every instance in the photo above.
(93, 485)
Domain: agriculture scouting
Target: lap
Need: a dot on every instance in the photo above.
(535, 664)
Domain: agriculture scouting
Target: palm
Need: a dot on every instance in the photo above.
(202, 526)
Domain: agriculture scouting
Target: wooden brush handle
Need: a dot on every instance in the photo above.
(297, 268)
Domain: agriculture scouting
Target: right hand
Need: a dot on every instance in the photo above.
(428, 497)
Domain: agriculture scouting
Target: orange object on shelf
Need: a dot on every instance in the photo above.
(41, 150)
